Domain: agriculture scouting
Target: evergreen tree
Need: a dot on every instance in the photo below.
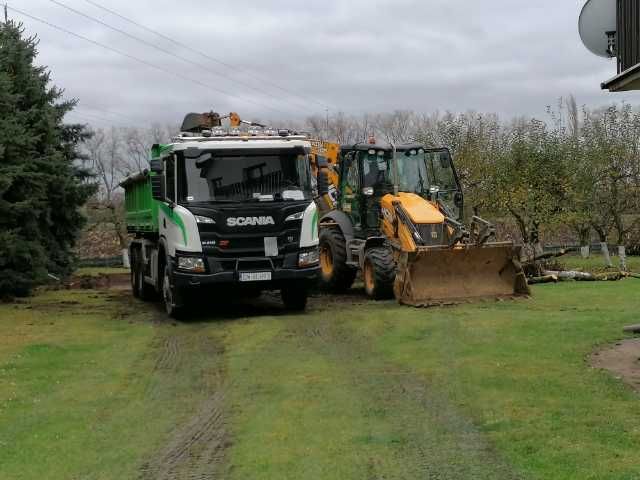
(42, 186)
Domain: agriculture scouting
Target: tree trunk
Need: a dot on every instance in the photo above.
(125, 258)
(622, 253)
(585, 241)
(606, 255)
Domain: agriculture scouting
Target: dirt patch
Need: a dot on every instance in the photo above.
(622, 360)
(195, 448)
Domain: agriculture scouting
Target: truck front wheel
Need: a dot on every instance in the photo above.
(294, 297)
(171, 297)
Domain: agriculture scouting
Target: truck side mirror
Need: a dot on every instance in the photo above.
(323, 182)
(156, 166)
(158, 189)
(322, 166)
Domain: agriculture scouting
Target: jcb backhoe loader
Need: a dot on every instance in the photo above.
(395, 213)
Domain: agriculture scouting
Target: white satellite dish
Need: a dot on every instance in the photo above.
(596, 25)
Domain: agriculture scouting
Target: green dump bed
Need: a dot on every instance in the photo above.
(141, 208)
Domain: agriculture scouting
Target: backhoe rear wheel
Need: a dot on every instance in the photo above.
(335, 275)
(379, 273)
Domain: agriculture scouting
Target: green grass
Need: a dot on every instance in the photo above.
(79, 397)
(96, 271)
(595, 263)
(351, 391)
(484, 391)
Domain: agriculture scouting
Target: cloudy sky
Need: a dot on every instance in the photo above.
(281, 58)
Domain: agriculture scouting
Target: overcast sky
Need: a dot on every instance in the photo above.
(513, 57)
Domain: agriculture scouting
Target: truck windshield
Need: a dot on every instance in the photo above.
(220, 177)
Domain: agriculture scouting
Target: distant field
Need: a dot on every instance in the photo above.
(97, 385)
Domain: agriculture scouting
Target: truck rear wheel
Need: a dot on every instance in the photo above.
(294, 297)
(135, 289)
(335, 275)
(145, 291)
(379, 273)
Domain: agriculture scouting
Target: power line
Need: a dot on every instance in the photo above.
(92, 118)
(165, 51)
(139, 60)
(208, 57)
(82, 104)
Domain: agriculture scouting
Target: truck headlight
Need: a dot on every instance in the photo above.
(207, 220)
(294, 217)
(191, 264)
(309, 258)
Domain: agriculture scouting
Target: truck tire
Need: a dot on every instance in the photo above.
(146, 292)
(294, 297)
(379, 273)
(171, 297)
(335, 275)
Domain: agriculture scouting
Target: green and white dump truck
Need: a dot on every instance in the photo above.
(223, 209)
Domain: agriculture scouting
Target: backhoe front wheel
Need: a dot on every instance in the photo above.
(379, 273)
(335, 275)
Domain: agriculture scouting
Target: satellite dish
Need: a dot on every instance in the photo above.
(597, 26)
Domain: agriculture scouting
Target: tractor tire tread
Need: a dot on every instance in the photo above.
(343, 275)
(384, 270)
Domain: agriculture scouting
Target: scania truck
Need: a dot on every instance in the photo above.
(224, 209)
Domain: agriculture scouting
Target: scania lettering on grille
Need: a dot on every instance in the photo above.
(249, 221)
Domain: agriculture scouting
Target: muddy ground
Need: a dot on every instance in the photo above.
(622, 360)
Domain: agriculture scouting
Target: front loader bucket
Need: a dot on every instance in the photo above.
(433, 276)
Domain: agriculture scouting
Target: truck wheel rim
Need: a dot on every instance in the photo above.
(326, 261)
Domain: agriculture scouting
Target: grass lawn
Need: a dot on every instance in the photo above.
(595, 263)
(80, 393)
(95, 271)
(94, 385)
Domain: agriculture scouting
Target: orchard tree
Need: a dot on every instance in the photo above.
(531, 181)
(41, 185)
(612, 142)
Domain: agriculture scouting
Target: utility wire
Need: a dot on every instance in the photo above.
(85, 113)
(84, 105)
(168, 52)
(208, 57)
(90, 119)
(141, 61)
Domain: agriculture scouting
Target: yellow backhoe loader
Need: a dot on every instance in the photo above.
(395, 213)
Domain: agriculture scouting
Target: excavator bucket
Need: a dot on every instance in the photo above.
(436, 275)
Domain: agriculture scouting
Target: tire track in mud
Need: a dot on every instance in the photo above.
(169, 357)
(195, 449)
(438, 439)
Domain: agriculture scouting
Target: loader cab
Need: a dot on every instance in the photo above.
(364, 179)
(366, 175)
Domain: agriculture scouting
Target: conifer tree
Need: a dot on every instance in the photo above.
(42, 185)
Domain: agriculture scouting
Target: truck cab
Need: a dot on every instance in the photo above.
(232, 208)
